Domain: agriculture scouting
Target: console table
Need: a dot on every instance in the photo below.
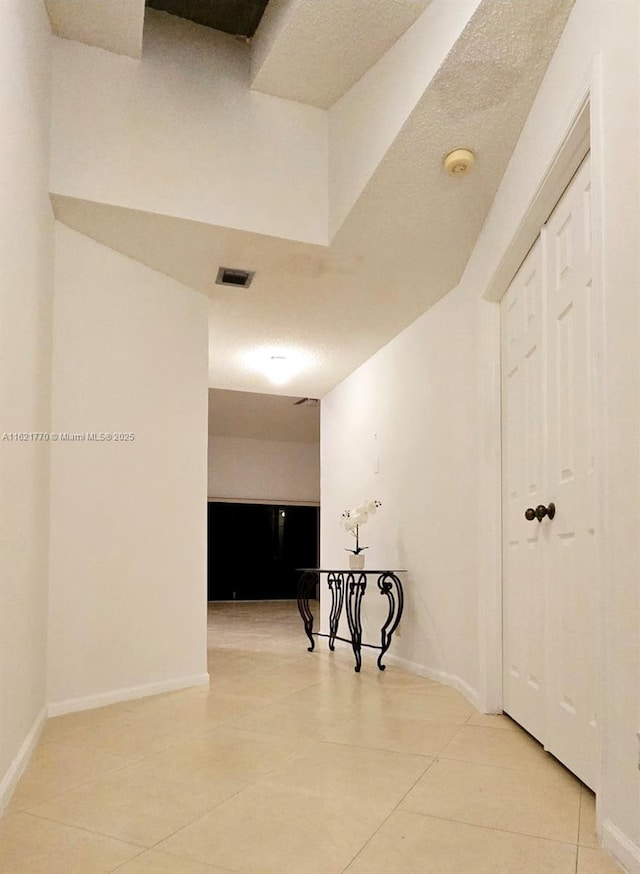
(349, 586)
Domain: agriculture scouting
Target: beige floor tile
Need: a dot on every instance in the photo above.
(596, 861)
(331, 769)
(137, 734)
(243, 756)
(334, 692)
(587, 835)
(411, 844)
(338, 692)
(259, 684)
(152, 862)
(63, 726)
(394, 678)
(424, 686)
(141, 804)
(267, 829)
(494, 746)
(230, 659)
(271, 662)
(342, 661)
(444, 706)
(494, 720)
(544, 804)
(330, 711)
(58, 766)
(223, 677)
(399, 735)
(29, 845)
(199, 707)
(283, 718)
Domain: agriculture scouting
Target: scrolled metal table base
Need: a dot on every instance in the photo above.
(390, 585)
(350, 587)
(307, 587)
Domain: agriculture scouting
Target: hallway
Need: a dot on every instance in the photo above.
(291, 762)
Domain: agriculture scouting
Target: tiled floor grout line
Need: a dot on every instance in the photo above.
(396, 808)
(122, 864)
(173, 855)
(578, 835)
(197, 819)
(74, 788)
(81, 828)
(29, 811)
(439, 758)
(144, 848)
(487, 764)
(70, 734)
(391, 812)
(491, 828)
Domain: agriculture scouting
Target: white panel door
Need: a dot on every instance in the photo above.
(549, 602)
(572, 723)
(523, 418)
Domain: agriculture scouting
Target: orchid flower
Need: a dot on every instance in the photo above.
(351, 520)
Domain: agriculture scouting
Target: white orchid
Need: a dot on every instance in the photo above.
(353, 519)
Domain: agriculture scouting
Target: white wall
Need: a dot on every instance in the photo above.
(26, 285)
(128, 519)
(411, 407)
(264, 470)
(619, 30)
(432, 397)
(181, 134)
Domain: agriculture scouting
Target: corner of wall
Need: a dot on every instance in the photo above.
(625, 851)
(21, 760)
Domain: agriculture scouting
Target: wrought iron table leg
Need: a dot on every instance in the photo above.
(336, 587)
(307, 586)
(355, 591)
(390, 585)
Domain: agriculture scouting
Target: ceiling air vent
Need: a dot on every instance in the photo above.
(238, 278)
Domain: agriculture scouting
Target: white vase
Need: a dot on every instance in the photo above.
(356, 562)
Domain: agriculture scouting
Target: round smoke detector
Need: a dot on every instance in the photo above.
(459, 162)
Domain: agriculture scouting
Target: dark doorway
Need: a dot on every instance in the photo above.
(254, 549)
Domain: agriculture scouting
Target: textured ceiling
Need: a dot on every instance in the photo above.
(303, 297)
(115, 25)
(313, 51)
(404, 244)
(262, 417)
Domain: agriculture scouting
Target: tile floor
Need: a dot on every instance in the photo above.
(291, 762)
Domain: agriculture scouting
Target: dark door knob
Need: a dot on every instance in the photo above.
(540, 512)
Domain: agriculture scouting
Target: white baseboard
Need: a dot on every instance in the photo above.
(439, 676)
(619, 845)
(443, 677)
(17, 766)
(73, 705)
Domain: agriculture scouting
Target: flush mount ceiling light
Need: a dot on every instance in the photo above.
(279, 369)
(459, 162)
(279, 364)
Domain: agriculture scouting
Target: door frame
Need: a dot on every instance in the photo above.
(579, 134)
